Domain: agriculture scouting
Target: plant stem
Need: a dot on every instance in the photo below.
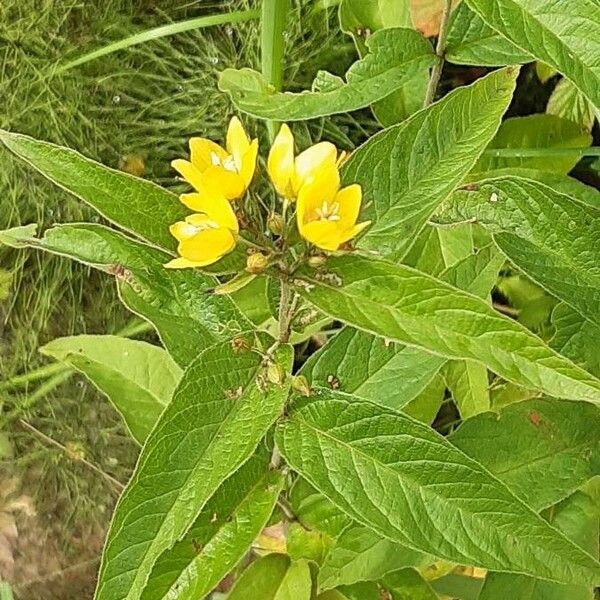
(284, 312)
(41, 373)
(273, 20)
(440, 50)
(542, 152)
(160, 32)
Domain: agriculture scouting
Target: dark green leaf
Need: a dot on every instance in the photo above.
(132, 203)
(548, 235)
(543, 449)
(219, 413)
(407, 170)
(395, 56)
(407, 584)
(179, 303)
(562, 34)
(401, 304)
(472, 42)
(220, 536)
(408, 483)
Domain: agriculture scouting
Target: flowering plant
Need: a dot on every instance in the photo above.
(343, 389)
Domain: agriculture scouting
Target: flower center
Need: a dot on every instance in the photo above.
(227, 163)
(328, 212)
(192, 230)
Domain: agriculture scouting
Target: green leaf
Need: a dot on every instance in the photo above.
(472, 42)
(314, 511)
(179, 303)
(366, 366)
(361, 554)
(408, 483)
(576, 338)
(476, 273)
(578, 518)
(136, 205)
(359, 591)
(274, 577)
(569, 103)
(407, 170)
(458, 586)
(543, 449)
(220, 536)
(469, 385)
(407, 584)
(427, 404)
(548, 235)
(137, 377)
(557, 181)
(395, 55)
(219, 413)
(360, 19)
(401, 304)
(537, 131)
(562, 34)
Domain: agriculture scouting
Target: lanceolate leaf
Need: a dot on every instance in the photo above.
(407, 482)
(137, 377)
(132, 203)
(537, 131)
(576, 338)
(221, 535)
(274, 577)
(552, 237)
(578, 518)
(361, 554)
(405, 305)
(407, 170)
(361, 19)
(472, 42)
(543, 449)
(364, 365)
(562, 34)
(220, 411)
(395, 55)
(569, 103)
(179, 303)
(468, 382)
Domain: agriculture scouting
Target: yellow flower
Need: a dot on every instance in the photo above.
(230, 170)
(290, 174)
(206, 236)
(327, 218)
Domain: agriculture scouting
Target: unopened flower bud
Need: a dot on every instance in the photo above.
(317, 261)
(301, 385)
(256, 263)
(276, 223)
(275, 374)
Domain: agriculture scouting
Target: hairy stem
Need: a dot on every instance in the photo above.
(440, 50)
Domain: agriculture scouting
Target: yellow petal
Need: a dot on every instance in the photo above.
(312, 196)
(202, 152)
(182, 230)
(182, 263)
(311, 162)
(214, 206)
(349, 199)
(189, 172)
(230, 184)
(208, 246)
(249, 163)
(280, 163)
(348, 234)
(323, 234)
(238, 142)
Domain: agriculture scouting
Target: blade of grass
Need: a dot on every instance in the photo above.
(160, 32)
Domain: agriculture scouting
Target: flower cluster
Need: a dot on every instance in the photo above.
(326, 214)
